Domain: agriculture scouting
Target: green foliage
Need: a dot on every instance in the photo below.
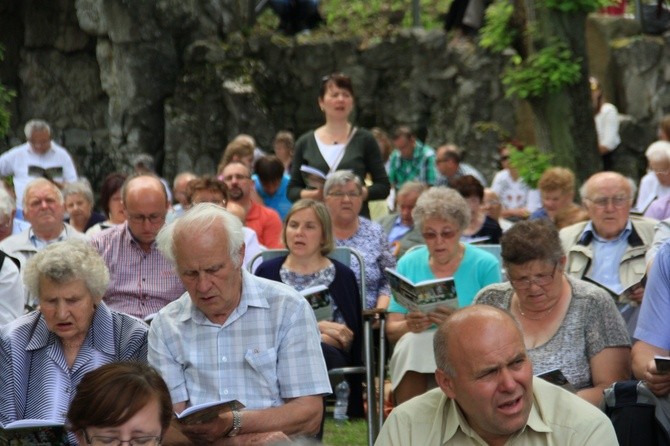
(545, 72)
(366, 18)
(530, 163)
(570, 6)
(5, 99)
(496, 34)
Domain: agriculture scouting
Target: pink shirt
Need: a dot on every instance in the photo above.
(141, 283)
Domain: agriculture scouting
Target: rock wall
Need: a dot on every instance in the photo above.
(177, 79)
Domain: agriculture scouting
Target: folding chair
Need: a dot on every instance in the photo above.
(343, 255)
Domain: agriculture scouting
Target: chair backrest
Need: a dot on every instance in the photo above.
(341, 253)
(496, 250)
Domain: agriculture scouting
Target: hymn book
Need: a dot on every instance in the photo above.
(206, 412)
(557, 378)
(34, 432)
(423, 296)
(319, 299)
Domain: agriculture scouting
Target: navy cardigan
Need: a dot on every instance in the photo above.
(343, 290)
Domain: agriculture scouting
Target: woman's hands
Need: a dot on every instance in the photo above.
(336, 334)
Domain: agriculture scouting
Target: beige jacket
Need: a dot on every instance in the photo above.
(632, 267)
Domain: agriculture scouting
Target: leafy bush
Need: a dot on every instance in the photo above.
(530, 163)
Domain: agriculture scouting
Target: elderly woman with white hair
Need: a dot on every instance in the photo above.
(9, 224)
(79, 203)
(343, 194)
(45, 354)
(442, 215)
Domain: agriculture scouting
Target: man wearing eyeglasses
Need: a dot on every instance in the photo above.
(263, 220)
(142, 281)
(610, 248)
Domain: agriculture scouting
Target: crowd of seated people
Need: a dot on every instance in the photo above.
(585, 283)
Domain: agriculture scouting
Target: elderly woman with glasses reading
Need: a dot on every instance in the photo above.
(568, 324)
(442, 215)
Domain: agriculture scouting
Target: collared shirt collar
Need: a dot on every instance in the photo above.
(249, 298)
(41, 243)
(534, 422)
(100, 333)
(131, 238)
(589, 233)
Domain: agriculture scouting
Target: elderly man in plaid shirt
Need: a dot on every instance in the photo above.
(233, 335)
(412, 160)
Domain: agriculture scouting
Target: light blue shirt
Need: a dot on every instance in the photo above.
(268, 349)
(398, 230)
(607, 256)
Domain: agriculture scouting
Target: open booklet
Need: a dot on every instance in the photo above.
(206, 412)
(313, 178)
(662, 363)
(34, 432)
(622, 297)
(319, 298)
(557, 377)
(424, 296)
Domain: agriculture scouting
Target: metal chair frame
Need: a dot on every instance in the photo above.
(343, 255)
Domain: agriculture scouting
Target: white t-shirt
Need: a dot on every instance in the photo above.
(26, 165)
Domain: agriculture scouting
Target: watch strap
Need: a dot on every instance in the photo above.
(237, 423)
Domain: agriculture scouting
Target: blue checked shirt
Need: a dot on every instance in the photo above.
(268, 350)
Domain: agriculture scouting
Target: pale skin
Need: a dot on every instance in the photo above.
(445, 257)
(644, 367)
(337, 104)
(214, 283)
(541, 309)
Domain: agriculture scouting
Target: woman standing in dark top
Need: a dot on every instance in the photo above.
(338, 145)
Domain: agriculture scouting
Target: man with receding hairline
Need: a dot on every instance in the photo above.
(142, 281)
(487, 393)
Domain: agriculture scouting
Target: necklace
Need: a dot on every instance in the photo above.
(543, 313)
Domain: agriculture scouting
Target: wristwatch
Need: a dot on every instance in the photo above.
(237, 424)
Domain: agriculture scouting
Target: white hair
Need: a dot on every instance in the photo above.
(35, 125)
(7, 204)
(199, 219)
(658, 151)
(41, 182)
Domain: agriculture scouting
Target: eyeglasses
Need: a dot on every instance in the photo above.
(540, 280)
(339, 195)
(430, 236)
(617, 202)
(237, 176)
(140, 219)
(97, 440)
(504, 157)
(661, 172)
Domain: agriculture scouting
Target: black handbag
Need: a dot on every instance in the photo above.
(655, 19)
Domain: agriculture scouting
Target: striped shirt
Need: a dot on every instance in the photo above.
(268, 350)
(141, 283)
(35, 381)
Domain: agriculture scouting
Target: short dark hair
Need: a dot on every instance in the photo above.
(530, 240)
(403, 130)
(285, 137)
(113, 393)
(206, 182)
(340, 80)
(110, 185)
(468, 186)
(269, 169)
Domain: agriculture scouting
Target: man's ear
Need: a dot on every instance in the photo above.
(445, 382)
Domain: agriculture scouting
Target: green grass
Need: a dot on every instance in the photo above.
(366, 18)
(349, 433)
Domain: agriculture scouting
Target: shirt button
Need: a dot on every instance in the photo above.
(225, 391)
(224, 359)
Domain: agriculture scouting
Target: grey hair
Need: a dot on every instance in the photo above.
(35, 125)
(658, 151)
(81, 187)
(7, 204)
(199, 219)
(40, 182)
(144, 160)
(62, 262)
(441, 203)
(341, 178)
(583, 191)
(416, 187)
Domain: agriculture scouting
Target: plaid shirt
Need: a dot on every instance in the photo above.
(420, 168)
(267, 350)
(141, 283)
